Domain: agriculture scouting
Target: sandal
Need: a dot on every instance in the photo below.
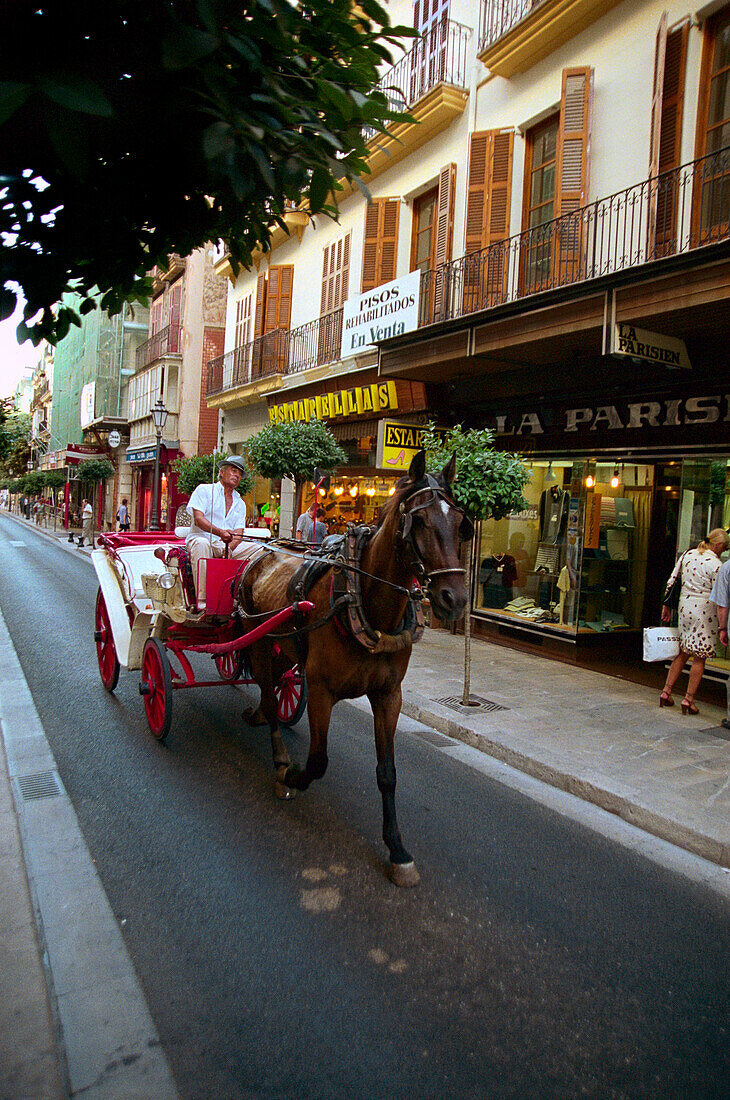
(665, 699)
(688, 706)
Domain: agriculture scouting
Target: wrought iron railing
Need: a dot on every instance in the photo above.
(500, 16)
(664, 216)
(164, 342)
(440, 56)
(280, 352)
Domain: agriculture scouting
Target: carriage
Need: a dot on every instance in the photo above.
(147, 617)
(308, 627)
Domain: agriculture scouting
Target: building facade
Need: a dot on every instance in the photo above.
(186, 330)
(562, 201)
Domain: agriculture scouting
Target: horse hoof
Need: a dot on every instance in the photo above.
(283, 792)
(253, 716)
(404, 874)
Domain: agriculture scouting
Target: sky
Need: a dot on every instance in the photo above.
(14, 358)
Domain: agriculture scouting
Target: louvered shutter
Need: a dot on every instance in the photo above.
(380, 246)
(571, 169)
(335, 289)
(489, 193)
(666, 138)
(444, 240)
(277, 318)
(259, 315)
(174, 318)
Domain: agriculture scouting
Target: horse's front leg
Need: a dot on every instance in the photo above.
(386, 709)
(263, 673)
(319, 712)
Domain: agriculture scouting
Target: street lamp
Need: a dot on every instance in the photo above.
(159, 415)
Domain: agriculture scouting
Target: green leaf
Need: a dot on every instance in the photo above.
(186, 45)
(8, 301)
(12, 96)
(319, 189)
(77, 93)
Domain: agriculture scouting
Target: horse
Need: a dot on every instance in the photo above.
(360, 642)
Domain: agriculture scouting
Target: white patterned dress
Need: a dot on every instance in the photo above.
(698, 624)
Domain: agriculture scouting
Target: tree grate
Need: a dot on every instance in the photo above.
(476, 703)
(40, 785)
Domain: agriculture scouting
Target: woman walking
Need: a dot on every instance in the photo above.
(697, 616)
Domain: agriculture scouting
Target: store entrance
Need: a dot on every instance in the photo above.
(662, 538)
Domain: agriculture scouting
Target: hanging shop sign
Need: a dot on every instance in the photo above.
(649, 347)
(389, 310)
(397, 445)
(114, 438)
(340, 404)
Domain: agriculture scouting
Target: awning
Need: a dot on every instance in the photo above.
(355, 429)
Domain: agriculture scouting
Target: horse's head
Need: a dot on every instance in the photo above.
(431, 526)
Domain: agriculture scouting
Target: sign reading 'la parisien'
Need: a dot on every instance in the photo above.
(389, 310)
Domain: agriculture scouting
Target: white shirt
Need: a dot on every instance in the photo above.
(87, 511)
(211, 501)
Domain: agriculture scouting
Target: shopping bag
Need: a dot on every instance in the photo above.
(661, 643)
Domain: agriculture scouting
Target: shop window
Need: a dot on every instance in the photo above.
(574, 561)
(712, 191)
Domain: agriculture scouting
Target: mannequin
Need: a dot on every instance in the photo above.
(497, 575)
(553, 514)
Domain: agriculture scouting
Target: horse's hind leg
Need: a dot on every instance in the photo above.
(262, 668)
(386, 709)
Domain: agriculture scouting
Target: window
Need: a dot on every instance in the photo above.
(431, 244)
(423, 245)
(712, 194)
(272, 317)
(542, 145)
(666, 135)
(242, 340)
(556, 189)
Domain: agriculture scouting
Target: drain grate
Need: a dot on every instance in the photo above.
(40, 785)
(477, 703)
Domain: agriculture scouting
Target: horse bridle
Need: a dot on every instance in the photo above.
(436, 492)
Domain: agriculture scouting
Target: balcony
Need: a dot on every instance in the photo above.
(258, 363)
(663, 217)
(431, 82)
(516, 34)
(165, 342)
(175, 267)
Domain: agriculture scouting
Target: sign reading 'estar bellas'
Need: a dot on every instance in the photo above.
(389, 310)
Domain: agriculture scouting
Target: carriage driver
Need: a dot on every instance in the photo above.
(219, 517)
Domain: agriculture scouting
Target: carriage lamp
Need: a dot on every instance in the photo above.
(166, 581)
(159, 417)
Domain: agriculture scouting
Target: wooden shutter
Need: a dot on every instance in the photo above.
(666, 136)
(571, 170)
(335, 289)
(259, 315)
(277, 318)
(444, 240)
(380, 246)
(488, 198)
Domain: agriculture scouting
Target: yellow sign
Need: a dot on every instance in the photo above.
(340, 403)
(397, 444)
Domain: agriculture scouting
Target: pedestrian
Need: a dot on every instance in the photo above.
(310, 529)
(698, 621)
(218, 520)
(87, 519)
(123, 515)
(720, 596)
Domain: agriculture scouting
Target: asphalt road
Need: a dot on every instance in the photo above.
(536, 959)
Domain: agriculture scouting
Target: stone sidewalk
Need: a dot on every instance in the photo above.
(599, 737)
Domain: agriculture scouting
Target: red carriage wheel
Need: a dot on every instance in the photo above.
(156, 688)
(291, 696)
(106, 651)
(229, 665)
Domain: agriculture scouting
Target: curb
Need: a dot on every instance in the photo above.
(630, 810)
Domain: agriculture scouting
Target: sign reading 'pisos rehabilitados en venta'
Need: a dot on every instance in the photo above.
(379, 397)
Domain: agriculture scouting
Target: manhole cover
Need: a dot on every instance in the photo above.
(476, 703)
(40, 785)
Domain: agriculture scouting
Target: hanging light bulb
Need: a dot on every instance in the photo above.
(391, 490)
(590, 481)
(370, 491)
(339, 490)
(550, 477)
(353, 490)
(615, 480)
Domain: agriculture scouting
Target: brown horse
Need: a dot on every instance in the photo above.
(416, 538)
